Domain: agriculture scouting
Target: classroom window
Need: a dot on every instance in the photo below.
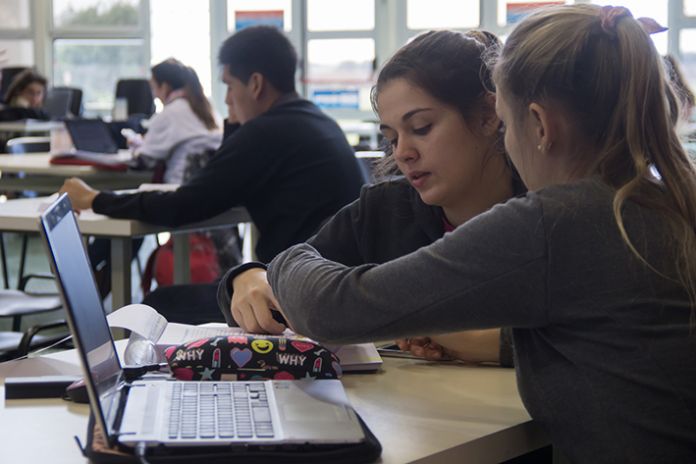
(512, 11)
(340, 72)
(442, 14)
(14, 14)
(690, 7)
(339, 15)
(243, 13)
(16, 53)
(95, 66)
(687, 39)
(107, 14)
(168, 19)
(647, 8)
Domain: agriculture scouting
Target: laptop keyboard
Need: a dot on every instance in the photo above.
(231, 410)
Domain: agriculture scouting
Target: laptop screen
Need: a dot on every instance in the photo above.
(84, 306)
(91, 135)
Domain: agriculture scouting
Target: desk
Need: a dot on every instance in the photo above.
(420, 412)
(30, 126)
(42, 176)
(22, 215)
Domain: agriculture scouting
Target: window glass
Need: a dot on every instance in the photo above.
(339, 15)
(650, 9)
(441, 14)
(243, 13)
(95, 66)
(687, 40)
(340, 72)
(16, 53)
(690, 7)
(512, 11)
(168, 18)
(14, 14)
(96, 13)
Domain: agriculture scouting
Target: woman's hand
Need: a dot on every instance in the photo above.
(81, 195)
(253, 302)
(423, 347)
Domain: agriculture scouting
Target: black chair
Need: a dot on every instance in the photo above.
(367, 160)
(6, 76)
(62, 102)
(138, 94)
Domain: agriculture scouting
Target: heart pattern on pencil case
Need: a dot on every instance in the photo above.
(252, 357)
(241, 357)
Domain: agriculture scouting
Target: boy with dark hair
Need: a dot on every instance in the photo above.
(288, 163)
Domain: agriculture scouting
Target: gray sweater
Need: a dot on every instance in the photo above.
(388, 221)
(604, 356)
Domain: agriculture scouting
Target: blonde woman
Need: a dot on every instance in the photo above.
(595, 268)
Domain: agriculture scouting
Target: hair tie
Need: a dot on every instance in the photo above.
(651, 26)
(610, 15)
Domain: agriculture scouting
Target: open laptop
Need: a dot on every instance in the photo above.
(93, 142)
(57, 103)
(178, 413)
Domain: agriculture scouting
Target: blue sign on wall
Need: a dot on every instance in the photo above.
(337, 99)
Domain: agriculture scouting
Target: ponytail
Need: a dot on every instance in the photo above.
(180, 76)
(600, 65)
(197, 99)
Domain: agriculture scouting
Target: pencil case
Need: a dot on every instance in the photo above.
(252, 357)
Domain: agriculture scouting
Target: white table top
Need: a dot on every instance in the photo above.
(29, 125)
(22, 215)
(39, 163)
(420, 412)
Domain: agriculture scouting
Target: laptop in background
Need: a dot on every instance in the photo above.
(159, 412)
(93, 144)
(57, 103)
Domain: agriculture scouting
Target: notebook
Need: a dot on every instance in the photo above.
(190, 414)
(94, 145)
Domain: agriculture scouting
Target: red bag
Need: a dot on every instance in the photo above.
(203, 263)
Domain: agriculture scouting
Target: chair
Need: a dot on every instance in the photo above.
(6, 76)
(18, 146)
(62, 102)
(76, 107)
(21, 145)
(138, 94)
(19, 303)
(367, 160)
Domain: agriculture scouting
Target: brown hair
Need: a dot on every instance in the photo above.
(21, 81)
(684, 103)
(602, 67)
(180, 76)
(450, 66)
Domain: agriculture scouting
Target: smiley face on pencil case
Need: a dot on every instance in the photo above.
(247, 357)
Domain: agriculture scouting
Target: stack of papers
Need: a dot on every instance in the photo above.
(148, 323)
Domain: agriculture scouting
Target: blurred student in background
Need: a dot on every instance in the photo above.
(186, 126)
(25, 97)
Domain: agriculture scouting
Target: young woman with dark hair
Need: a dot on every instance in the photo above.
(437, 111)
(186, 126)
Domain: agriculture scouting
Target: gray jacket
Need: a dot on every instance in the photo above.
(388, 221)
(603, 350)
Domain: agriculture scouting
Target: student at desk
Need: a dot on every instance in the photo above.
(594, 268)
(25, 97)
(437, 111)
(186, 126)
(288, 163)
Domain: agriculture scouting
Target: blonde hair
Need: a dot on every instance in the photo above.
(601, 66)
